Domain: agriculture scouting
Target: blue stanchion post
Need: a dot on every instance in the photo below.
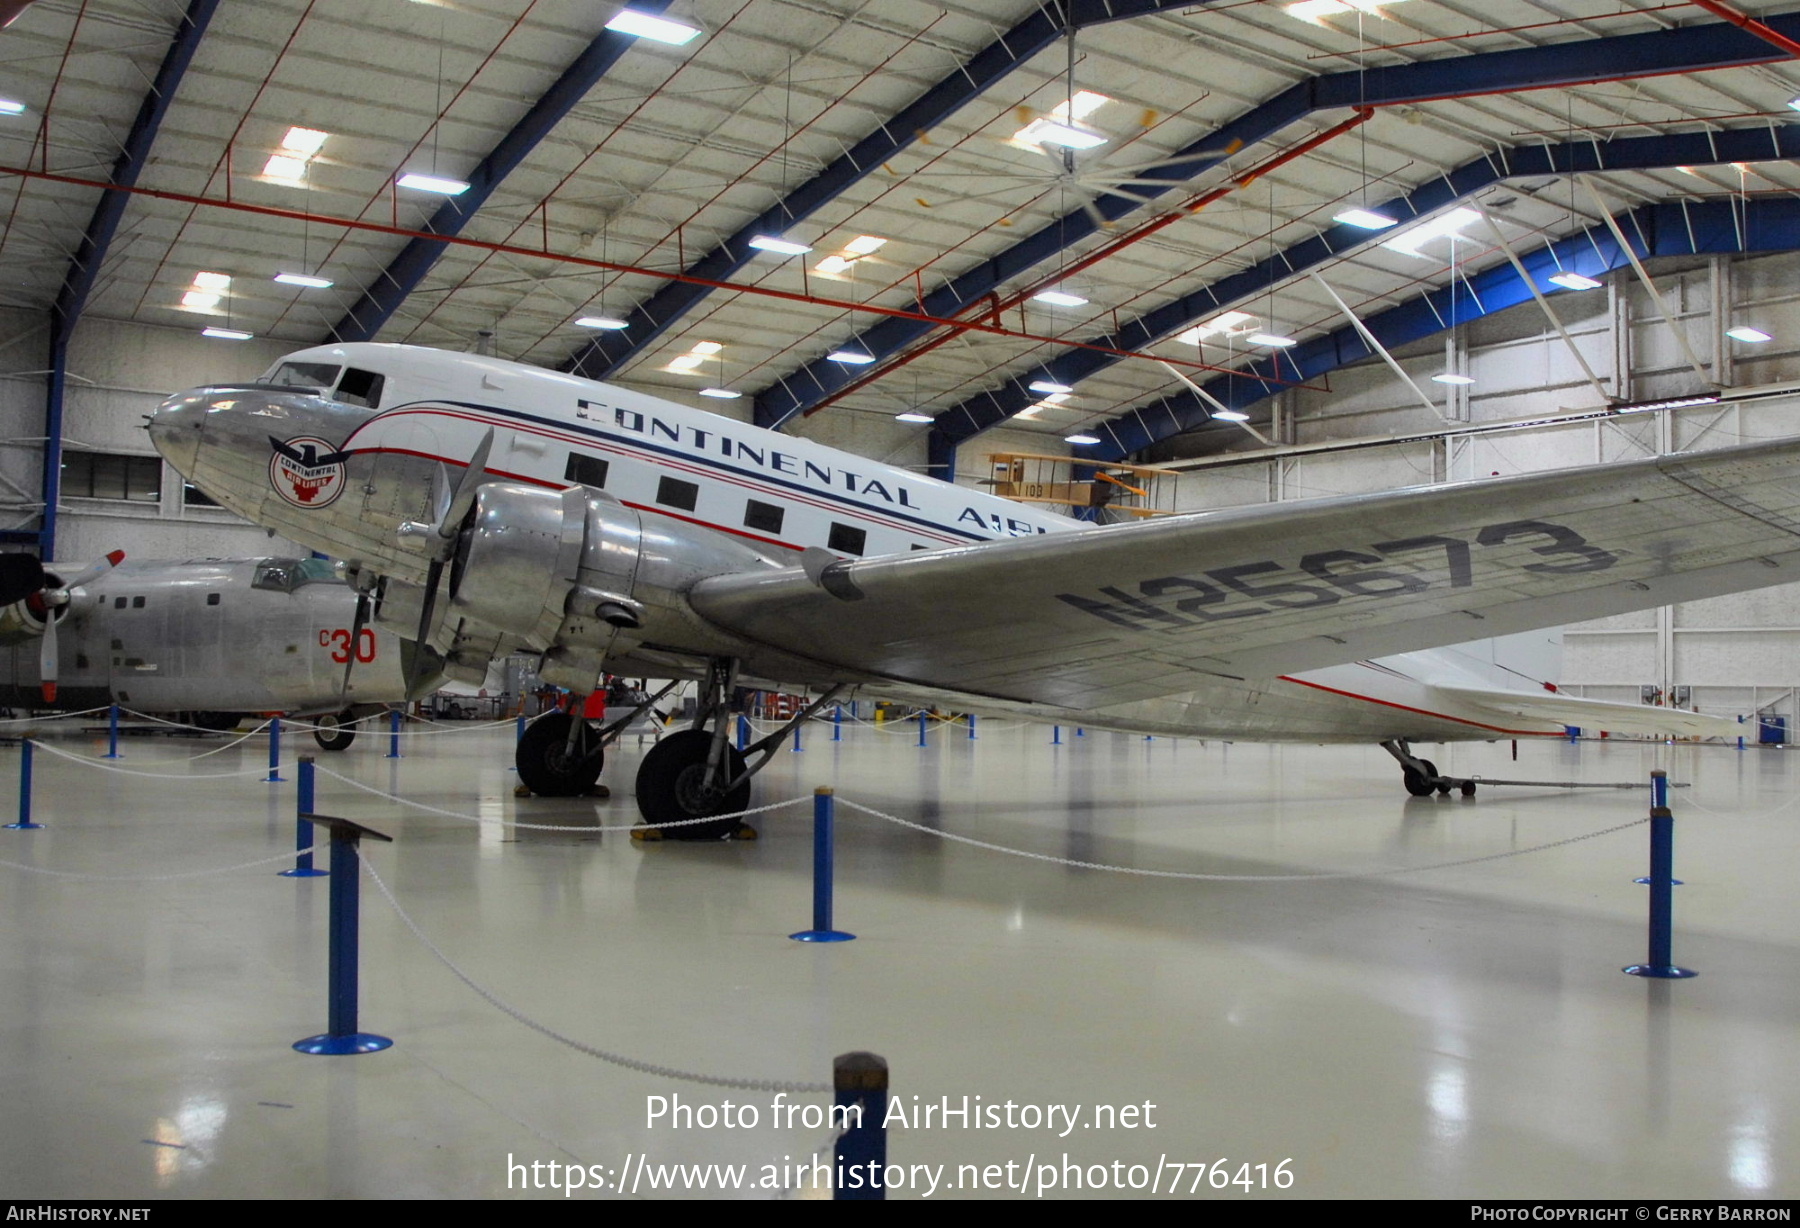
(743, 731)
(797, 736)
(837, 723)
(1080, 732)
(303, 830)
(393, 733)
(25, 823)
(1056, 735)
(341, 1036)
(824, 847)
(1740, 736)
(112, 732)
(274, 777)
(1661, 961)
(971, 726)
(922, 726)
(859, 1158)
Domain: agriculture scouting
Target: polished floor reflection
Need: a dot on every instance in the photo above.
(1453, 1032)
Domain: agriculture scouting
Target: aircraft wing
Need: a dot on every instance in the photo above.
(1118, 613)
(1596, 714)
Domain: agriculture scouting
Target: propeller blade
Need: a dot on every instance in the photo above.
(356, 629)
(466, 486)
(20, 576)
(433, 575)
(47, 657)
(95, 570)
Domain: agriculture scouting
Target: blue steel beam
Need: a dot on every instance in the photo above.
(988, 409)
(1692, 49)
(84, 269)
(1670, 229)
(600, 356)
(377, 304)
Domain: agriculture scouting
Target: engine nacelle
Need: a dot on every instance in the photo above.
(580, 577)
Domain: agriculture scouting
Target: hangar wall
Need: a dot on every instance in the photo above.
(1736, 654)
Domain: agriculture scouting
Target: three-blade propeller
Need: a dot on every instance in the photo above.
(23, 578)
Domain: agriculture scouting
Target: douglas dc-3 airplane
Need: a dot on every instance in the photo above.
(489, 507)
(208, 640)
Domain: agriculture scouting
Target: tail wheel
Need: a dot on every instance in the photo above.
(671, 787)
(549, 767)
(335, 731)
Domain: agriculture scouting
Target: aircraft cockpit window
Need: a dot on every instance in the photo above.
(276, 575)
(320, 375)
(318, 571)
(360, 387)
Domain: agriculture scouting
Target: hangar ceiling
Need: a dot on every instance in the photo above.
(1224, 140)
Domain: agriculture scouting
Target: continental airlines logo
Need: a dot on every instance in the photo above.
(306, 472)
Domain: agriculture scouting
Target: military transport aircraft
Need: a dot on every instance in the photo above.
(210, 639)
(489, 507)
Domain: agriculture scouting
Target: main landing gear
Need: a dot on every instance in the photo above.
(1420, 776)
(697, 772)
(561, 755)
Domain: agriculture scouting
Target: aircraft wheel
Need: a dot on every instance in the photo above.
(1468, 788)
(335, 731)
(1419, 783)
(546, 767)
(218, 722)
(671, 787)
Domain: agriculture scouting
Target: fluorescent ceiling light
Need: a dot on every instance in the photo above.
(301, 279)
(1048, 132)
(432, 183)
(600, 322)
(832, 265)
(1574, 281)
(1081, 439)
(1057, 398)
(1746, 333)
(1060, 298)
(1794, 102)
(1365, 219)
(720, 394)
(766, 243)
(850, 356)
(912, 417)
(862, 245)
(1314, 10)
(1082, 105)
(9, 107)
(1671, 403)
(706, 347)
(226, 334)
(212, 281)
(200, 300)
(280, 166)
(1413, 238)
(1449, 378)
(1230, 415)
(657, 29)
(686, 362)
(1229, 323)
(1046, 385)
(1275, 340)
(305, 141)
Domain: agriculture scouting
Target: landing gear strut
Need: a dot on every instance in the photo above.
(1421, 776)
(561, 755)
(697, 773)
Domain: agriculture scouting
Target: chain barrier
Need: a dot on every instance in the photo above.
(1689, 800)
(561, 827)
(1235, 878)
(107, 767)
(56, 716)
(616, 1059)
(148, 878)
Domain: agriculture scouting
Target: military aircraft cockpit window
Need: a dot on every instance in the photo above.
(318, 571)
(320, 375)
(276, 575)
(360, 387)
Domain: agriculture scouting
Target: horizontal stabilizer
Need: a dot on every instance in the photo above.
(1598, 714)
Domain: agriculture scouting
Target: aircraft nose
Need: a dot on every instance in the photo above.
(179, 425)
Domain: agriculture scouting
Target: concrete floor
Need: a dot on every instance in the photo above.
(1462, 1032)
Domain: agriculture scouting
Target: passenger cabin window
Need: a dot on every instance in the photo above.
(846, 540)
(763, 517)
(118, 603)
(212, 599)
(360, 388)
(673, 492)
(585, 471)
(320, 375)
(137, 603)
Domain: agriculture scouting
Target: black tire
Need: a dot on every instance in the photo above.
(1418, 783)
(545, 765)
(669, 787)
(218, 722)
(335, 730)
(1443, 787)
(1468, 788)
